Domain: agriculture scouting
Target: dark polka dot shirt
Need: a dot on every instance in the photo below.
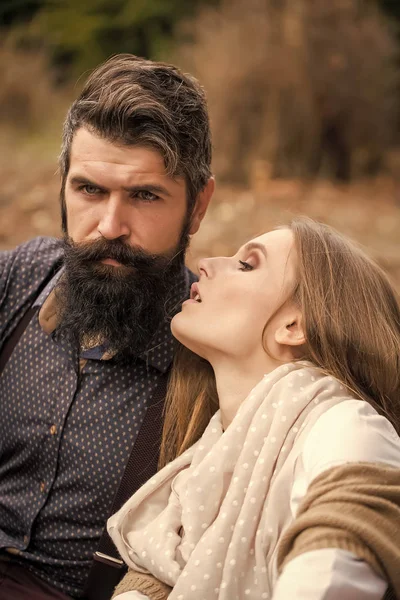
(65, 433)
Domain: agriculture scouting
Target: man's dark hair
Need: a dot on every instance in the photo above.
(133, 101)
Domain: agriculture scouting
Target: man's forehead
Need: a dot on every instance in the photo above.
(109, 165)
(88, 147)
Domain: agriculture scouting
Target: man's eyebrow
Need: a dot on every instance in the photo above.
(256, 246)
(148, 187)
(78, 180)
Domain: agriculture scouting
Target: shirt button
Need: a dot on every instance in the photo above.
(53, 430)
(13, 551)
(42, 486)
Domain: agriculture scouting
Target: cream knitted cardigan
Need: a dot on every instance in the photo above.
(209, 523)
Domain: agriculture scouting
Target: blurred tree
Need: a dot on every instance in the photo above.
(80, 34)
(26, 87)
(303, 87)
(17, 11)
(391, 7)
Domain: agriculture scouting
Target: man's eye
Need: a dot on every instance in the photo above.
(146, 196)
(245, 266)
(90, 190)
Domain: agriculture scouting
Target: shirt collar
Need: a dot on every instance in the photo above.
(162, 347)
(48, 289)
(47, 304)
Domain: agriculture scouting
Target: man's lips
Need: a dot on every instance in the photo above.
(111, 261)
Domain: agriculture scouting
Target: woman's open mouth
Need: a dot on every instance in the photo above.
(194, 293)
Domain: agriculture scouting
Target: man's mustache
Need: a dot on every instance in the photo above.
(119, 250)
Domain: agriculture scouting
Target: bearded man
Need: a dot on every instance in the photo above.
(84, 321)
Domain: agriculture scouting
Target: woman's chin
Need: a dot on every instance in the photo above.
(176, 325)
(181, 330)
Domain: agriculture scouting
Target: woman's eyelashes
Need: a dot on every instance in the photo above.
(245, 266)
(252, 262)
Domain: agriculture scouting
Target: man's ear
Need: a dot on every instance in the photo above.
(291, 332)
(200, 208)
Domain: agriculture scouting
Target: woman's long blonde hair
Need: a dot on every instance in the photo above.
(352, 325)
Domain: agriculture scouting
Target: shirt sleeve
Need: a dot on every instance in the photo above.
(329, 574)
(349, 432)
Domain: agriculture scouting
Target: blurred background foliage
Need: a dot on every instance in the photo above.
(304, 98)
(79, 34)
(308, 86)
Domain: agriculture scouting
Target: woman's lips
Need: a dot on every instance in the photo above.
(194, 292)
(190, 301)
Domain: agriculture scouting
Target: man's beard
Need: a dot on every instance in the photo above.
(118, 307)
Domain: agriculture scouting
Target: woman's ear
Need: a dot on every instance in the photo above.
(291, 332)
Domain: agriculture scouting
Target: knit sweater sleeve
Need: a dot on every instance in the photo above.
(147, 584)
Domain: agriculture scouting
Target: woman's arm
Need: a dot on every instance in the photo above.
(346, 531)
(346, 534)
(329, 574)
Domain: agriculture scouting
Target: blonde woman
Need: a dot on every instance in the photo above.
(284, 419)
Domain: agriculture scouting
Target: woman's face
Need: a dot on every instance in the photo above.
(236, 296)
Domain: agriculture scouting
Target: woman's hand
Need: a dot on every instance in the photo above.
(134, 595)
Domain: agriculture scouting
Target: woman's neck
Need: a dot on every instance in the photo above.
(235, 378)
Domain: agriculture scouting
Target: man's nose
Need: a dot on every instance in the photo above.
(113, 222)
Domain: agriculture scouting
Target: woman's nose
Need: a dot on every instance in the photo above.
(210, 266)
(203, 267)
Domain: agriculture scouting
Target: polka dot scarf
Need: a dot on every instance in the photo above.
(200, 524)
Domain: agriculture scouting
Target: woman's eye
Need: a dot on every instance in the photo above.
(146, 196)
(245, 266)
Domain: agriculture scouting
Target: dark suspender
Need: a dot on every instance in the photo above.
(107, 568)
(12, 341)
(389, 594)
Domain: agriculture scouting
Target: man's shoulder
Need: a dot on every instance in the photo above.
(39, 250)
(23, 272)
(31, 259)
